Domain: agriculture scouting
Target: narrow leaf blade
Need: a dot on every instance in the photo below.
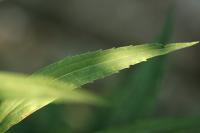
(86, 68)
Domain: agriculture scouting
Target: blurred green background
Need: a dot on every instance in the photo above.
(34, 33)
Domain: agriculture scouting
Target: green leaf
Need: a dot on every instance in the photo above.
(85, 68)
(19, 86)
(164, 125)
(38, 90)
(141, 86)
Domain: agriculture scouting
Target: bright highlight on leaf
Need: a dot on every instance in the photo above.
(18, 86)
(16, 89)
(79, 70)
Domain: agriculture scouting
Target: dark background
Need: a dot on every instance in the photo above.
(34, 33)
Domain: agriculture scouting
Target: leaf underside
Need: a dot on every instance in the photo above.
(83, 69)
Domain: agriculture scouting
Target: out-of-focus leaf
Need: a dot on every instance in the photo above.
(86, 68)
(164, 125)
(15, 87)
(137, 96)
(18, 86)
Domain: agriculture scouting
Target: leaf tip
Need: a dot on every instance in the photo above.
(191, 43)
(182, 45)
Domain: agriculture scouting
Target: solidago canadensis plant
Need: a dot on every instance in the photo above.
(21, 95)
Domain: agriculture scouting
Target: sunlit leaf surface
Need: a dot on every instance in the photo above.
(83, 69)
